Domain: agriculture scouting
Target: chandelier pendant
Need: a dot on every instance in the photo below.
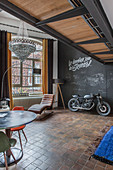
(22, 46)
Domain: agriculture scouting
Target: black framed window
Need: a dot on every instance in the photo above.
(23, 80)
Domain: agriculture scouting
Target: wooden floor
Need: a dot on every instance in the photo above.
(61, 142)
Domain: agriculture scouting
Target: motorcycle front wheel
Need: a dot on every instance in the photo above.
(73, 103)
(103, 109)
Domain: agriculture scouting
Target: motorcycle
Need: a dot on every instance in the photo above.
(87, 102)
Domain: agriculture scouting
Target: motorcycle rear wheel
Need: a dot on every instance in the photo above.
(103, 109)
(73, 102)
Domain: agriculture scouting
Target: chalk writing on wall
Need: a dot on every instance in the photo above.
(79, 63)
(68, 77)
(96, 80)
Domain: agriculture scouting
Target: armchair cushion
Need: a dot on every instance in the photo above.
(46, 102)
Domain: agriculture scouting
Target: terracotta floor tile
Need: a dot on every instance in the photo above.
(62, 141)
(43, 166)
(90, 165)
(109, 167)
(85, 157)
(77, 167)
(69, 163)
(99, 168)
(64, 167)
(30, 167)
(101, 164)
(86, 168)
(37, 162)
(81, 161)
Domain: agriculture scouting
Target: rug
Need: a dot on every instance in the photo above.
(95, 143)
(104, 151)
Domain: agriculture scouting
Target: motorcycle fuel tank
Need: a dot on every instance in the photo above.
(88, 97)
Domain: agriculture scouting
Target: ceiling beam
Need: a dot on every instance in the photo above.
(21, 14)
(71, 2)
(95, 9)
(65, 15)
(98, 40)
(104, 52)
(108, 59)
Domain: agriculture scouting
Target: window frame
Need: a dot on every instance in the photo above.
(21, 74)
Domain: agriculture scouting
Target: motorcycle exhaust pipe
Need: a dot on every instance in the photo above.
(84, 108)
(81, 108)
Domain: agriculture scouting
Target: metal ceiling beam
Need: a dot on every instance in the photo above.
(95, 9)
(108, 59)
(98, 40)
(65, 15)
(22, 15)
(104, 52)
(19, 13)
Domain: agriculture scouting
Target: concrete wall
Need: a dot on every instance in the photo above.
(83, 75)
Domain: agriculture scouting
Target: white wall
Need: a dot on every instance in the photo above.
(55, 70)
(12, 25)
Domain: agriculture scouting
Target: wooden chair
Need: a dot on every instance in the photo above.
(46, 102)
(20, 127)
(5, 145)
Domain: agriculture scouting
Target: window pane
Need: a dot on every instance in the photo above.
(37, 89)
(16, 90)
(15, 80)
(27, 72)
(38, 47)
(31, 56)
(37, 80)
(27, 81)
(22, 73)
(13, 54)
(16, 71)
(38, 55)
(27, 89)
(38, 64)
(15, 63)
(28, 63)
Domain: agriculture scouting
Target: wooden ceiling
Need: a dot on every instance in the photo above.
(75, 29)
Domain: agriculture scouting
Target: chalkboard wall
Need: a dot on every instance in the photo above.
(83, 75)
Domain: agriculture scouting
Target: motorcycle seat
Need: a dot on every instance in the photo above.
(88, 97)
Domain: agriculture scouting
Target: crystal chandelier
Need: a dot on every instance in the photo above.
(22, 46)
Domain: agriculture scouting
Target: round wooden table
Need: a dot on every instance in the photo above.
(11, 119)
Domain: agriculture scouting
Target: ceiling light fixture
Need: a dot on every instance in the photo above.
(22, 46)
